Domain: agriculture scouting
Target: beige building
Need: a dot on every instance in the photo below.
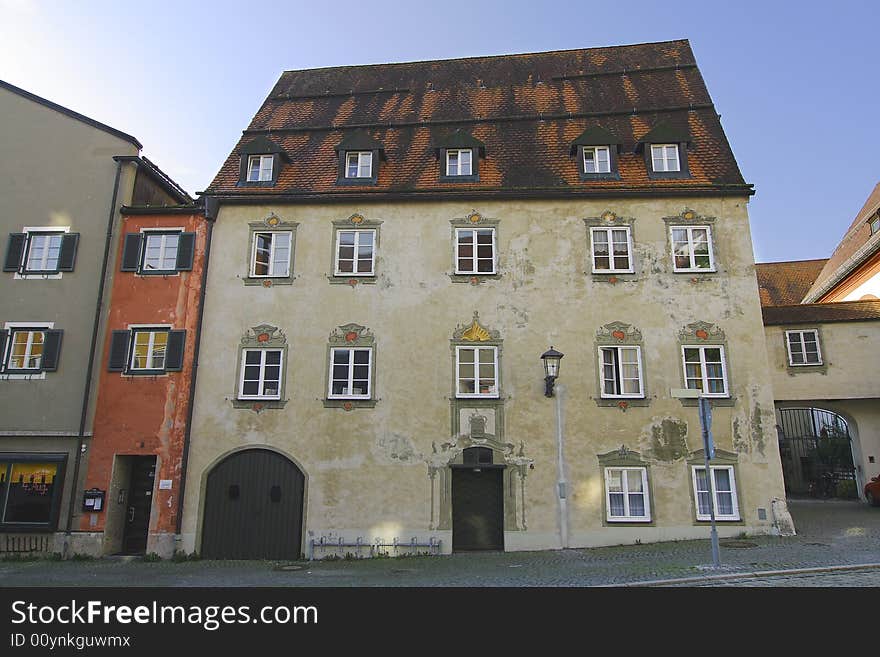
(396, 247)
(822, 322)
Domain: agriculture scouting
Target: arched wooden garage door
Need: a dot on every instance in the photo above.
(253, 507)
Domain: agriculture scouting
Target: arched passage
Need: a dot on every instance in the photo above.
(815, 446)
(253, 507)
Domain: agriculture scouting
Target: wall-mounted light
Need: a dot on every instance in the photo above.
(551, 359)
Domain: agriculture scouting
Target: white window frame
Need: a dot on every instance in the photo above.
(360, 156)
(609, 234)
(664, 158)
(474, 259)
(357, 234)
(262, 379)
(272, 273)
(874, 225)
(495, 393)
(800, 333)
(704, 378)
(734, 498)
(164, 232)
(152, 331)
(458, 152)
(627, 517)
(606, 395)
(29, 230)
(18, 326)
(264, 173)
(351, 365)
(690, 242)
(595, 150)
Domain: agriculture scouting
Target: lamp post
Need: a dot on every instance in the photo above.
(551, 359)
(705, 410)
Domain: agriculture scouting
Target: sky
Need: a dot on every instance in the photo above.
(796, 84)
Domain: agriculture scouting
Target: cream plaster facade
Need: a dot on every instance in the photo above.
(368, 469)
(846, 384)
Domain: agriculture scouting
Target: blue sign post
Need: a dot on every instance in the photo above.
(709, 453)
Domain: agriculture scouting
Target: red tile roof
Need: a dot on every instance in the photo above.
(855, 247)
(785, 283)
(843, 311)
(526, 109)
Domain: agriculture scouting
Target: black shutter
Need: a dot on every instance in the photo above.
(118, 351)
(3, 334)
(174, 351)
(51, 350)
(131, 252)
(14, 251)
(67, 259)
(185, 248)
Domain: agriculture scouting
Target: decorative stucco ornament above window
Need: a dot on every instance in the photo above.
(352, 335)
(475, 332)
(698, 332)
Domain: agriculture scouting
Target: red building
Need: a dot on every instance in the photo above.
(137, 454)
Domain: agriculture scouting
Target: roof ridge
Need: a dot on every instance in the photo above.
(473, 57)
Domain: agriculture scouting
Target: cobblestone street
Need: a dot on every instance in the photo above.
(830, 533)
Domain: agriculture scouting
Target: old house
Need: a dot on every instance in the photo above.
(822, 322)
(397, 246)
(62, 180)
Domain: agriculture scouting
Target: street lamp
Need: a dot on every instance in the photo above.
(708, 453)
(551, 359)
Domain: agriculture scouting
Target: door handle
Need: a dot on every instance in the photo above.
(131, 514)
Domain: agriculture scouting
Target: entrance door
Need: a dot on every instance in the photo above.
(816, 451)
(477, 508)
(253, 507)
(140, 503)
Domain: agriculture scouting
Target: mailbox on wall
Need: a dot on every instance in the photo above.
(93, 499)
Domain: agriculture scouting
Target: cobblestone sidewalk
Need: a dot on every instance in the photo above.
(830, 533)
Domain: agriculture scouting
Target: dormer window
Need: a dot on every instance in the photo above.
(875, 224)
(597, 159)
(359, 164)
(260, 168)
(666, 151)
(261, 161)
(664, 157)
(458, 161)
(595, 153)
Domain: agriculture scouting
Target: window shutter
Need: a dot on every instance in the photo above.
(131, 252)
(118, 351)
(14, 251)
(3, 335)
(69, 242)
(174, 351)
(51, 350)
(185, 248)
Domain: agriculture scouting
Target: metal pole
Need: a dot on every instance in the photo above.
(708, 446)
(560, 464)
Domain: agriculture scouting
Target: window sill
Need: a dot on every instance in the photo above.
(694, 271)
(153, 274)
(799, 369)
(473, 279)
(139, 374)
(608, 175)
(707, 520)
(258, 404)
(640, 522)
(348, 404)
(27, 275)
(613, 277)
(715, 401)
(268, 281)
(351, 279)
(23, 376)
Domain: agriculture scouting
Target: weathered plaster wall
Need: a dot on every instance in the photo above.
(146, 415)
(849, 355)
(367, 469)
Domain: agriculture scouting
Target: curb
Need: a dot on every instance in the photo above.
(747, 575)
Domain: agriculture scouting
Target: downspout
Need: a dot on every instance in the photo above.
(210, 216)
(91, 364)
(562, 484)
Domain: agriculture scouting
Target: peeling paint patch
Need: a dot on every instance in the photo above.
(758, 429)
(669, 440)
(396, 448)
(740, 444)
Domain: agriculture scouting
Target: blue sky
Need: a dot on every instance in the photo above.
(796, 84)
